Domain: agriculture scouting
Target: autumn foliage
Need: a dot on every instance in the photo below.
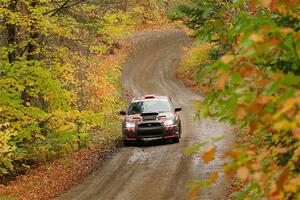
(60, 75)
(252, 80)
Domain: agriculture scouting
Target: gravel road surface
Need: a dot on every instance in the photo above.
(158, 171)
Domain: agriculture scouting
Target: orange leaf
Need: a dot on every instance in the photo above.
(220, 84)
(214, 177)
(194, 192)
(265, 153)
(227, 59)
(262, 83)
(209, 154)
(229, 173)
(256, 107)
(274, 188)
(283, 178)
(286, 30)
(264, 99)
(256, 166)
(241, 113)
(296, 132)
(246, 71)
(266, 3)
(253, 5)
(257, 176)
(243, 173)
(252, 128)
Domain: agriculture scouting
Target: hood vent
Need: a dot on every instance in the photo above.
(149, 116)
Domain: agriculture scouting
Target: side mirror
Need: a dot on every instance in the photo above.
(122, 112)
(178, 109)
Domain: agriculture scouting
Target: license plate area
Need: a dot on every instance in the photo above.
(152, 139)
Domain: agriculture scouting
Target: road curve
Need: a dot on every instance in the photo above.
(158, 171)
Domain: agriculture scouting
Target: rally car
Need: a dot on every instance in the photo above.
(150, 118)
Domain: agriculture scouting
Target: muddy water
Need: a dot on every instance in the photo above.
(158, 171)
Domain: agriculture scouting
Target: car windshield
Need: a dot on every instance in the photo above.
(149, 106)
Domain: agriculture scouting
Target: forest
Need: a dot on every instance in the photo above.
(60, 91)
(60, 88)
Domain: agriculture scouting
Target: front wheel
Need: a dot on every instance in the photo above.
(175, 140)
(126, 143)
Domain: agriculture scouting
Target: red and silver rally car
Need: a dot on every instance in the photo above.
(151, 118)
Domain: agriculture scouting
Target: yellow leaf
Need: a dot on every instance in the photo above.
(287, 105)
(297, 153)
(281, 125)
(281, 150)
(214, 177)
(293, 185)
(243, 173)
(209, 154)
(257, 37)
(184, 48)
(39, 136)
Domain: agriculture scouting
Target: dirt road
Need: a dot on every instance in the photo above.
(158, 171)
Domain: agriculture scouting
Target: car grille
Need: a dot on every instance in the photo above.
(149, 125)
(153, 132)
(150, 129)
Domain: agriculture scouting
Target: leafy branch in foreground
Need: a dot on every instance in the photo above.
(254, 82)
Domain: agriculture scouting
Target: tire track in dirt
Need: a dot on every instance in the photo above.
(158, 171)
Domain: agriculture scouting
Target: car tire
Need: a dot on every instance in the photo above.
(126, 143)
(175, 140)
(180, 131)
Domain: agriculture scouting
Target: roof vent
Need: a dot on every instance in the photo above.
(149, 96)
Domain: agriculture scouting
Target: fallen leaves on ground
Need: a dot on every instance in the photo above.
(209, 154)
(50, 180)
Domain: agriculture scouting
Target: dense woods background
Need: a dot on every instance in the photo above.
(59, 86)
(246, 61)
(60, 90)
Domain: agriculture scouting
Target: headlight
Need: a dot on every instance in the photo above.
(130, 125)
(169, 122)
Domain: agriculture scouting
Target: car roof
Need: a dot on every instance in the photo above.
(146, 97)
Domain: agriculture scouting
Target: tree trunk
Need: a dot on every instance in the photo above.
(11, 34)
(33, 37)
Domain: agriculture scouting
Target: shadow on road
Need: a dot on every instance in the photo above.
(143, 144)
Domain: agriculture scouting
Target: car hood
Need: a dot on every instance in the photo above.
(159, 117)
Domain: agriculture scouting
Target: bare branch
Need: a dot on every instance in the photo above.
(67, 4)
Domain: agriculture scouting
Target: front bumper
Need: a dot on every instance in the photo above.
(150, 133)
